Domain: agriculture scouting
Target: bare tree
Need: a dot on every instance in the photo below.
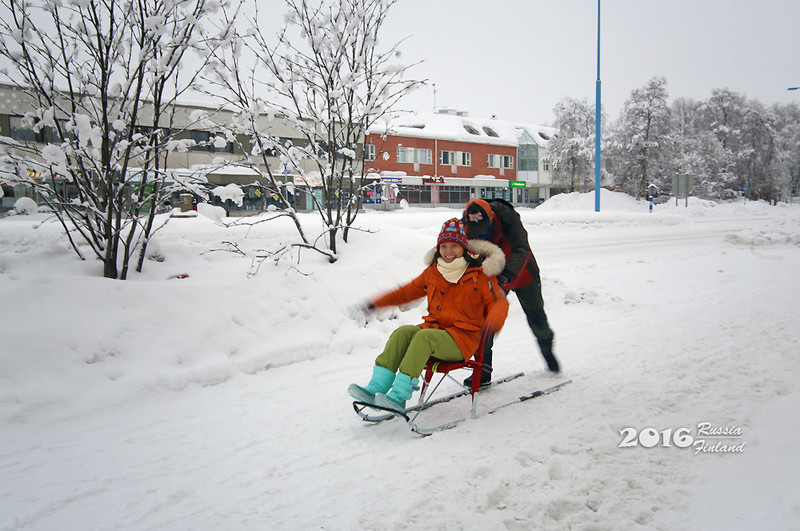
(324, 75)
(99, 79)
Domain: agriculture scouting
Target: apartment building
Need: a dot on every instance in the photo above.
(191, 121)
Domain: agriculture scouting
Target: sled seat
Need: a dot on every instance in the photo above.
(436, 366)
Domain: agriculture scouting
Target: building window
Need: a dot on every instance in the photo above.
(201, 140)
(405, 154)
(369, 152)
(414, 155)
(56, 136)
(471, 130)
(456, 158)
(206, 141)
(143, 134)
(323, 149)
(423, 156)
(285, 144)
(22, 130)
(500, 161)
(489, 131)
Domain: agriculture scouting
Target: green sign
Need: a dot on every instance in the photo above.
(517, 184)
(682, 184)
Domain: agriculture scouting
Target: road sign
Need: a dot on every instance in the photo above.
(682, 184)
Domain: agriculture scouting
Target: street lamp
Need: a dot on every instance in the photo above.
(597, 122)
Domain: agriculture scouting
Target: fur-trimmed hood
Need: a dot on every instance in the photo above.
(483, 253)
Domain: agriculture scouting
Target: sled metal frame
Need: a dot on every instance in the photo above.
(428, 388)
(436, 366)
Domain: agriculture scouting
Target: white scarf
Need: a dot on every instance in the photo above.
(453, 271)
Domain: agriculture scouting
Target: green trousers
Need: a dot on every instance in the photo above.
(409, 348)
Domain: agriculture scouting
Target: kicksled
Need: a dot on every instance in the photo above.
(373, 413)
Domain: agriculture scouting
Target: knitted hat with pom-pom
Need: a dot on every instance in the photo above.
(454, 231)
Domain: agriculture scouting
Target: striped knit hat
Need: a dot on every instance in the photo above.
(453, 230)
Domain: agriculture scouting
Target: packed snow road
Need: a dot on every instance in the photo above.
(219, 401)
(561, 243)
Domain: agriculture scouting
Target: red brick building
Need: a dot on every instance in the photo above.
(448, 158)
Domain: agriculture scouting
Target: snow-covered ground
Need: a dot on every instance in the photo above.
(218, 401)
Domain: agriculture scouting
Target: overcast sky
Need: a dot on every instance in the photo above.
(517, 58)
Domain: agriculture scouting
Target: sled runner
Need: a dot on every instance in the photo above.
(379, 414)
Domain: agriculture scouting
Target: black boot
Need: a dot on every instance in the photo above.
(486, 378)
(486, 372)
(549, 357)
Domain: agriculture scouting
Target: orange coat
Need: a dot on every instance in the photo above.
(465, 308)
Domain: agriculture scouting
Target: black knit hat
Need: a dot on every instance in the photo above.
(478, 218)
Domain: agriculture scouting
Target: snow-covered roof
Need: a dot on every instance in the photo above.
(229, 169)
(458, 126)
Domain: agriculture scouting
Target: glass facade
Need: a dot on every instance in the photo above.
(454, 194)
(492, 193)
(415, 195)
(528, 156)
(424, 194)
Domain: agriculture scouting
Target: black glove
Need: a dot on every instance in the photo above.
(503, 280)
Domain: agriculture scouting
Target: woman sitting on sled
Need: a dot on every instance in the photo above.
(464, 300)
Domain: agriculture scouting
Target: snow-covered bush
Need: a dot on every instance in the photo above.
(26, 206)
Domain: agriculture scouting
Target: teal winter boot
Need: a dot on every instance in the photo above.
(401, 391)
(381, 382)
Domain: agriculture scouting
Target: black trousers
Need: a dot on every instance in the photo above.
(530, 298)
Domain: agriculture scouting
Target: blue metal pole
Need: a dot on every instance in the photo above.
(597, 122)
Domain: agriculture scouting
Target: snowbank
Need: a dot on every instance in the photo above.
(585, 202)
